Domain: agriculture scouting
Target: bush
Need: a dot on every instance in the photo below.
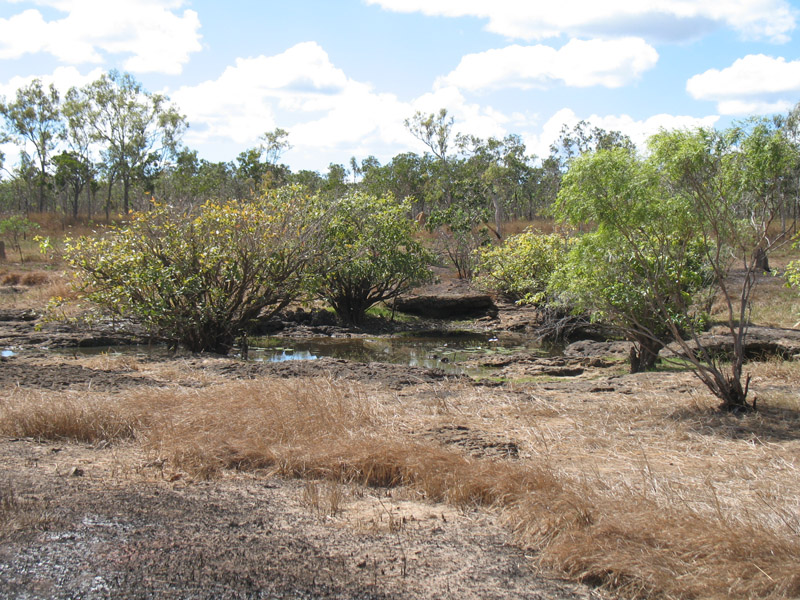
(645, 267)
(369, 255)
(521, 268)
(203, 277)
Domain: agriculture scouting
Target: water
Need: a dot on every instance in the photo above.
(435, 350)
(7, 353)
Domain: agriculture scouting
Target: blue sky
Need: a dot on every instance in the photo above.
(342, 75)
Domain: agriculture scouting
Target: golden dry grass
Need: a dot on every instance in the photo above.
(650, 493)
(32, 289)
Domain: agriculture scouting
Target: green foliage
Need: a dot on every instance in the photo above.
(368, 255)
(792, 273)
(202, 278)
(15, 228)
(644, 266)
(738, 183)
(521, 268)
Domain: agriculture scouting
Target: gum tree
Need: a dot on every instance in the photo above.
(34, 117)
(135, 127)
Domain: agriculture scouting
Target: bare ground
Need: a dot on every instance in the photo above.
(110, 521)
(120, 519)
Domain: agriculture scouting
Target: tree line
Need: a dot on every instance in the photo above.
(112, 146)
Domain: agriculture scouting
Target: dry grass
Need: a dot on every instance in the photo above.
(74, 416)
(18, 514)
(654, 494)
(32, 289)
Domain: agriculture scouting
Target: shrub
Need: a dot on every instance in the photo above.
(202, 278)
(521, 268)
(368, 255)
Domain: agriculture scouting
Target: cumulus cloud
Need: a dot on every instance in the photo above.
(637, 130)
(654, 19)
(302, 91)
(754, 84)
(578, 63)
(62, 79)
(153, 35)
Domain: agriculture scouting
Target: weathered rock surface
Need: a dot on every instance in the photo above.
(590, 348)
(760, 343)
(450, 300)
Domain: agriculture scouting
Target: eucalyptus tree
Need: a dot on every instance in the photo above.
(735, 181)
(73, 174)
(34, 117)
(80, 140)
(641, 269)
(134, 127)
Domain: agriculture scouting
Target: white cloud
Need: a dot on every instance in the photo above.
(578, 63)
(653, 19)
(62, 79)
(324, 111)
(754, 84)
(153, 35)
(638, 131)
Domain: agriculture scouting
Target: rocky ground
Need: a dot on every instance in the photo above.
(102, 521)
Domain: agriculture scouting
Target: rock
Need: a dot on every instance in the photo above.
(590, 349)
(760, 343)
(451, 300)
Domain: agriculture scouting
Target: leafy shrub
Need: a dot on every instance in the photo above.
(645, 267)
(203, 277)
(521, 268)
(368, 255)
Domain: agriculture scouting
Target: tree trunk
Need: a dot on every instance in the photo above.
(126, 186)
(644, 354)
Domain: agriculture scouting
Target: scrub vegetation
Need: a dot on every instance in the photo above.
(675, 480)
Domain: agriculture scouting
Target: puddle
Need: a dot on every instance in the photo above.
(433, 350)
(7, 353)
(445, 352)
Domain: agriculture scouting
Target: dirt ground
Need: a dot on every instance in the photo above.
(106, 521)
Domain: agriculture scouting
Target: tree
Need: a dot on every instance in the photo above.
(368, 255)
(35, 118)
(79, 137)
(15, 228)
(203, 277)
(135, 127)
(732, 181)
(521, 268)
(335, 183)
(74, 174)
(643, 267)
(276, 142)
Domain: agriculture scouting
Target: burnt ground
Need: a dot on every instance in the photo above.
(106, 522)
(130, 535)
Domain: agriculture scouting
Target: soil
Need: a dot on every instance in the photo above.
(107, 522)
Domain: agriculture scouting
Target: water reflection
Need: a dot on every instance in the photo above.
(434, 350)
(431, 351)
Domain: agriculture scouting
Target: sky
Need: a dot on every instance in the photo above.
(342, 76)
